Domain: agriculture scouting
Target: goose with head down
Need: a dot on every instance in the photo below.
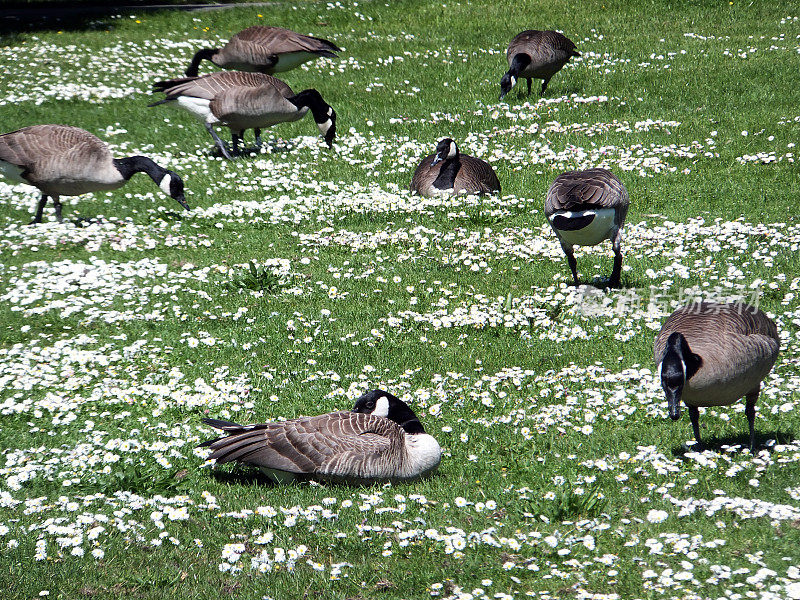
(242, 101)
(712, 354)
(67, 161)
(381, 439)
(269, 50)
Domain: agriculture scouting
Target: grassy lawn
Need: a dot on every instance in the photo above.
(562, 475)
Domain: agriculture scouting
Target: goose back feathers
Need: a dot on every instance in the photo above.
(448, 172)
(243, 101)
(584, 208)
(68, 161)
(265, 50)
(711, 354)
(381, 439)
(535, 54)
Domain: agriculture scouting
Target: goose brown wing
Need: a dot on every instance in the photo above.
(276, 40)
(541, 43)
(719, 326)
(304, 446)
(32, 146)
(584, 190)
(209, 86)
(424, 175)
(476, 175)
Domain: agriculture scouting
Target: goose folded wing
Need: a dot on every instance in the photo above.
(303, 446)
(276, 40)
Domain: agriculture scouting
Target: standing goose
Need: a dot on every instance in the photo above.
(242, 101)
(584, 208)
(67, 161)
(265, 50)
(536, 55)
(381, 439)
(448, 172)
(711, 354)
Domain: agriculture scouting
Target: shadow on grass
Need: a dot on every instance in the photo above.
(721, 444)
(25, 16)
(243, 476)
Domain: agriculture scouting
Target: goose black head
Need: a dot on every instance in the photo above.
(324, 115)
(384, 404)
(506, 84)
(445, 150)
(172, 185)
(677, 367)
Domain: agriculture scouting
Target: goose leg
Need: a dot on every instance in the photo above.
(694, 415)
(529, 85)
(257, 131)
(39, 210)
(616, 272)
(236, 137)
(544, 85)
(573, 264)
(219, 142)
(750, 411)
(57, 204)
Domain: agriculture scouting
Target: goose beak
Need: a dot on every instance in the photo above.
(674, 402)
(182, 201)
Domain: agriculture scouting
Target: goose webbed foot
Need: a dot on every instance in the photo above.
(220, 144)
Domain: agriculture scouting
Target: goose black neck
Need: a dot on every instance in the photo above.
(127, 167)
(205, 54)
(447, 173)
(412, 426)
(518, 63)
(312, 99)
(678, 350)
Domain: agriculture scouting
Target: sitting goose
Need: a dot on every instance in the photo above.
(380, 440)
(584, 208)
(448, 172)
(67, 161)
(711, 354)
(536, 54)
(242, 101)
(265, 50)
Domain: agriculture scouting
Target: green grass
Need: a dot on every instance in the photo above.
(512, 400)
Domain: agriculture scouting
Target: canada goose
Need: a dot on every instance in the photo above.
(265, 50)
(711, 354)
(381, 439)
(449, 172)
(584, 208)
(536, 54)
(67, 161)
(242, 101)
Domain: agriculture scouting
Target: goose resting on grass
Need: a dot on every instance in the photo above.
(381, 439)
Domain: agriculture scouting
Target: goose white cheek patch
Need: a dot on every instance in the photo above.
(325, 127)
(513, 81)
(452, 152)
(382, 407)
(165, 183)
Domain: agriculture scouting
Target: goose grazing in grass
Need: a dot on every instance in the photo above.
(67, 161)
(448, 172)
(265, 50)
(584, 208)
(381, 439)
(711, 354)
(535, 54)
(242, 101)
